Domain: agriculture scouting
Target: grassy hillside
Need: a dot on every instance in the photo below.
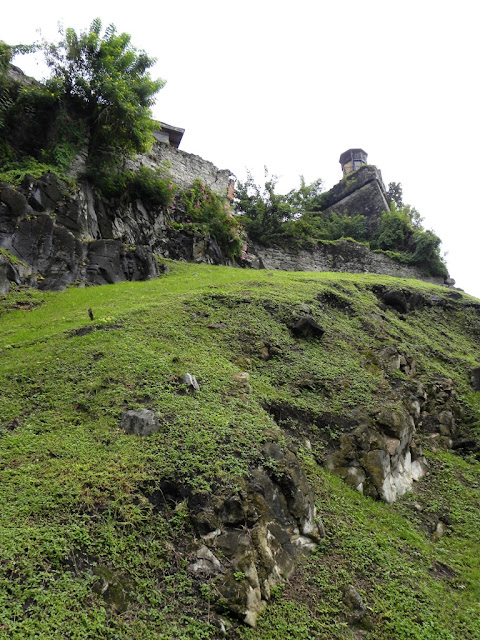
(95, 524)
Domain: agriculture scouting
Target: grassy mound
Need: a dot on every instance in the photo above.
(94, 523)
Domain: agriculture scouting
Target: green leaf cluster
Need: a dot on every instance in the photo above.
(106, 79)
(269, 217)
(399, 231)
(206, 207)
(153, 186)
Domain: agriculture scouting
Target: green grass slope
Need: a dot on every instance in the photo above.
(86, 551)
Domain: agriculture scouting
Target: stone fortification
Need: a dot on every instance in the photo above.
(184, 168)
(63, 238)
(342, 256)
(361, 192)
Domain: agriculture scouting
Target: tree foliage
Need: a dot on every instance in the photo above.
(106, 79)
(399, 230)
(395, 193)
(100, 91)
(269, 216)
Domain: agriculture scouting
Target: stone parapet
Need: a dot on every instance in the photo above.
(185, 167)
(342, 256)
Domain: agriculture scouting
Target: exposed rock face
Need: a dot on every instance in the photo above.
(476, 378)
(379, 457)
(259, 532)
(306, 327)
(405, 301)
(109, 261)
(441, 409)
(14, 272)
(64, 238)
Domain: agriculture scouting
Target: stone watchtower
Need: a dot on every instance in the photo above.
(361, 190)
(352, 160)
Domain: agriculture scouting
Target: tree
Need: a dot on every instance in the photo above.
(106, 80)
(269, 216)
(393, 231)
(395, 194)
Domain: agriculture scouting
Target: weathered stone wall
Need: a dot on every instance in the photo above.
(185, 167)
(343, 256)
(361, 192)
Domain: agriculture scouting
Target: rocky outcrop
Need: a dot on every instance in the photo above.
(63, 238)
(12, 271)
(380, 457)
(249, 540)
(378, 452)
(405, 300)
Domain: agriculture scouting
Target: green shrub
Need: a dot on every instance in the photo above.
(270, 217)
(400, 235)
(393, 230)
(151, 186)
(204, 206)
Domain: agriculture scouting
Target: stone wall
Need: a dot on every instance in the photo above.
(361, 192)
(342, 256)
(185, 167)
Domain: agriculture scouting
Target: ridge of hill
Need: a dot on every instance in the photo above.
(309, 464)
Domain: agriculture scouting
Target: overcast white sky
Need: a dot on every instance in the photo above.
(293, 85)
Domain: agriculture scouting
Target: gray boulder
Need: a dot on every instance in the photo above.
(140, 423)
(306, 327)
(190, 381)
(354, 603)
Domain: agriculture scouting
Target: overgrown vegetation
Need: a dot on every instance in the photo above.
(296, 218)
(85, 551)
(98, 98)
(153, 186)
(97, 101)
(208, 212)
(403, 238)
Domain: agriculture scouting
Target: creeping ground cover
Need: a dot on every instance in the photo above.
(97, 533)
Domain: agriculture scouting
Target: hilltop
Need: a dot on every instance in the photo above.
(315, 474)
(93, 190)
(196, 451)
